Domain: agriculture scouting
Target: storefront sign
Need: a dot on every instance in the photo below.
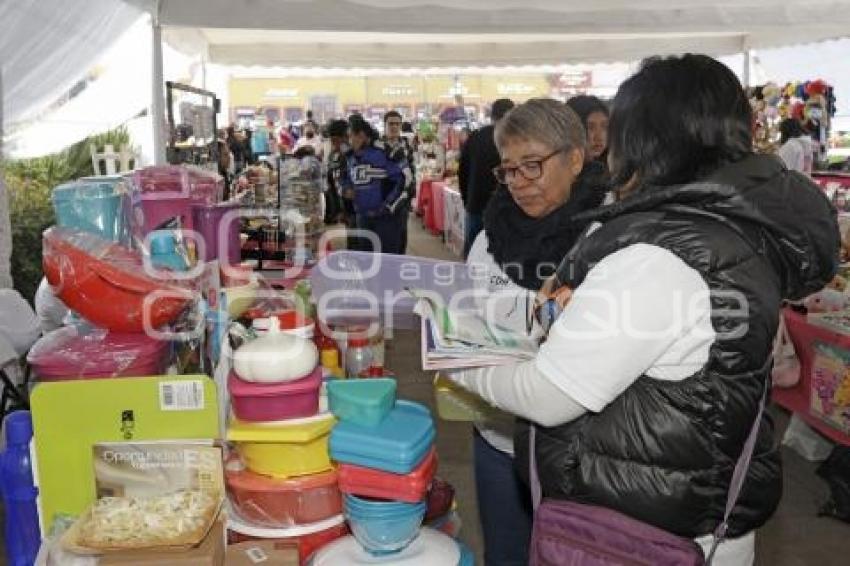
(281, 93)
(509, 89)
(398, 90)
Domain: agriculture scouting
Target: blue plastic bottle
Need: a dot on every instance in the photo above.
(23, 536)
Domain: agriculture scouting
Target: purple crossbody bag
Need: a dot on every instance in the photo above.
(574, 534)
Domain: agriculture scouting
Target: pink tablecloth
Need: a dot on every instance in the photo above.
(435, 219)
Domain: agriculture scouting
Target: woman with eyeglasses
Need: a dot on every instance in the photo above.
(652, 377)
(528, 227)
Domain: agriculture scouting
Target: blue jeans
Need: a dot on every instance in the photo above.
(474, 224)
(504, 507)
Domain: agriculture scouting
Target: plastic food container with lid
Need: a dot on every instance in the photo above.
(106, 283)
(367, 482)
(218, 226)
(278, 503)
(99, 205)
(160, 193)
(73, 352)
(399, 444)
(383, 526)
(308, 538)
(261, 402)
(284, 450)
(362, 402)
(430, 548)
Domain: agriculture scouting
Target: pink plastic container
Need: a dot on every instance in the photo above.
(68, 353)
(264, 402)
(161, 193)
(221, 241)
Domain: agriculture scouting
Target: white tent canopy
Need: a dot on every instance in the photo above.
(427, 33)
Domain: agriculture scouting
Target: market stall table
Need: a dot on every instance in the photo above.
(453, 219)
(434, 217)
(798, 398)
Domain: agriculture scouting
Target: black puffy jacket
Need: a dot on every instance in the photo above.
(663, 452)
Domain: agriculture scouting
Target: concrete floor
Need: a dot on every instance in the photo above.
(795, 536)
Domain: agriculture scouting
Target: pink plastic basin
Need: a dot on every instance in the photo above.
(67, 353)
(264, 402)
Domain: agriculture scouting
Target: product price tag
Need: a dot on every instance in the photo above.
(181, 395)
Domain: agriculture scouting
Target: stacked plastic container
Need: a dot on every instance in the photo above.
(281, 483)
(387, 462)
(89, 265)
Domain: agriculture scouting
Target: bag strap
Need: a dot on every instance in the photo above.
(738, 476)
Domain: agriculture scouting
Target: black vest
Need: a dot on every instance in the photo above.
(663, 452)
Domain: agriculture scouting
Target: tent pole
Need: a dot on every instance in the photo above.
(745, 49)
(157, 102)
(5, 221)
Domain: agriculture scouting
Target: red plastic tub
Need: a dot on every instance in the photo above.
(307, 543)
(367, 482)
(106, 284)
(280, 503)
(69, 353)
(264, 402)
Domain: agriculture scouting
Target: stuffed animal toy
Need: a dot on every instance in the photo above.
(771, 94)
(827, 300)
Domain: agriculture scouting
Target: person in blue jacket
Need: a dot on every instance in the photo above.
(376, 186)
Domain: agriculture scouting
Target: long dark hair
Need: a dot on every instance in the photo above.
(676, 120)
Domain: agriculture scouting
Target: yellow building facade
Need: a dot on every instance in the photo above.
(413, 95)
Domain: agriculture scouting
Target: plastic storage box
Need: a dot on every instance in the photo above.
(98, 205)
(218, 226)
(261, 402)
(72, 352)
(161, 193)
(106, 283)
(364, 402)
(383, 527)
(367, 482)
(283, 450)
(353, 282)
(398, 444)
(280, 503)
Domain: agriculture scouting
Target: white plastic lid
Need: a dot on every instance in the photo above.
(239, 525)
(430, 548)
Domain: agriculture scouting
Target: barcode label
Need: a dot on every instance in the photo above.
(181, 396)
(256, 554)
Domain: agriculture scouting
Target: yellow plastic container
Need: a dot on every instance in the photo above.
(454, 403)
(284, 450)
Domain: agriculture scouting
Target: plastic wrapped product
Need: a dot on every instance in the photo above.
(106, 283)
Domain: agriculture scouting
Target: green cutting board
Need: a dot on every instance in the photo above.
(69, 417)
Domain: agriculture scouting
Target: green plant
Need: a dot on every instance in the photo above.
(29, 183)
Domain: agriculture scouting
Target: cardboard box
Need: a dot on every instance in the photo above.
(210, 552)
(266, 552)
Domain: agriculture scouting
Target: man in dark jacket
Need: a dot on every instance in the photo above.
(398, 150)
(475, 173)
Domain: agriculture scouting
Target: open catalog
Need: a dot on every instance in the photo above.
(453, 339)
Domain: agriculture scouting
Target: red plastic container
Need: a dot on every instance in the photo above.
(307, 544)
(68, 353)
(264, 402)
(279, 503)
(367, 482)
(106, 283)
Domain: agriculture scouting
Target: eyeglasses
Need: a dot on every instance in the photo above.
(530, 170)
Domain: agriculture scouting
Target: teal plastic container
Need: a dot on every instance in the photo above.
(398, 444)
(365, 402)
(383, 527)
(99, 206)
